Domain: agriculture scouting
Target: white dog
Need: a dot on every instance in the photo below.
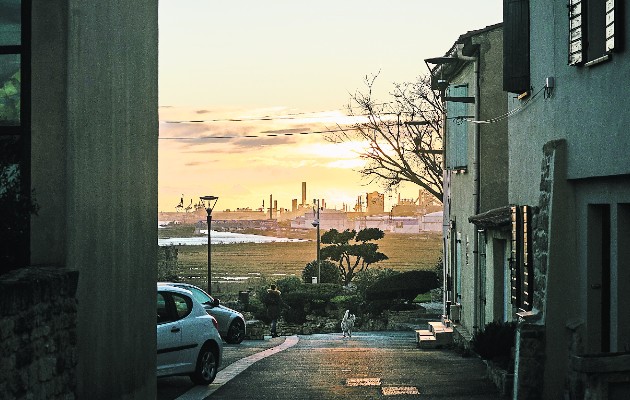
(347, 323)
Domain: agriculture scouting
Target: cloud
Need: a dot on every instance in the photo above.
(199, 163)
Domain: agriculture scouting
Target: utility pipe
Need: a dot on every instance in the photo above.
(475, 172)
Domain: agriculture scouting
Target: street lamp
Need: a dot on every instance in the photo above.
(316, 224)
(209, 202)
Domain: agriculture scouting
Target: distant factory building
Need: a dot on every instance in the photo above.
(375, 203)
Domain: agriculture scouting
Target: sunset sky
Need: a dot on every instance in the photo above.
(285, 68)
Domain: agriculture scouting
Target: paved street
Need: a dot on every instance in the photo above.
(369, 365)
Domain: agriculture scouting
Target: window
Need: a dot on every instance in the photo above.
(456, 129)
(516, 75)
(14, 134)
(521, 266)
(593, 30)
(183, 305)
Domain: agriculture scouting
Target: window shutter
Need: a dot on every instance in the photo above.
(516, 74)
(610, 25)
(456, 129)
(576, 38)
(515, 259)
(521, 259)
(528, 267)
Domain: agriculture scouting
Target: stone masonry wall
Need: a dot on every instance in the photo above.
(38, 312)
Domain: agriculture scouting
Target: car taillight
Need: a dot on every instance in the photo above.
(214, 321)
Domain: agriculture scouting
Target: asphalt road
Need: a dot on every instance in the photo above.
(370, 365)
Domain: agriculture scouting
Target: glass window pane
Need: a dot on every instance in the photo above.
(10, 22)
(10, 79)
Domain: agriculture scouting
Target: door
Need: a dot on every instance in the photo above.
(169, 337)
(598, 279)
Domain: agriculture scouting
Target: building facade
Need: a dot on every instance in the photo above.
(567, 73)
(85, 143)
(475, 174)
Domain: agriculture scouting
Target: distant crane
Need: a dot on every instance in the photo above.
(180, 206)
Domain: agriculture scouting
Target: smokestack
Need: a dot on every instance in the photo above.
(275, 205)
(303, 193)
(270, 206)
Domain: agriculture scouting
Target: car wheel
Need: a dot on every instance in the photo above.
(236, 332)
(206, 369)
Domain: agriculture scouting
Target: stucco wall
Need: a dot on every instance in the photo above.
(493, 159)
(587, 110)
(492, 165)
(588, 107)
(94, 171)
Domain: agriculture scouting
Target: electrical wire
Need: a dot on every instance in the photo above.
(257, 136)
(509, 113)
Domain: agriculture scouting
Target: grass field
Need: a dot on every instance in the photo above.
(239, 266)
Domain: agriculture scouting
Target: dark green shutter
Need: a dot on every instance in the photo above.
(516, 74)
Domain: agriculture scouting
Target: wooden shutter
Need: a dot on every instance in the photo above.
(610, 25)
(456, 129)
(521, 260)
(515, 259)
(516, 74)
(527, 279)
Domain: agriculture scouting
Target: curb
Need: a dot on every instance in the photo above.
(232, 370)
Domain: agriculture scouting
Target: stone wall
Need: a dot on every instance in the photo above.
(529, 365)
(38, 313)
(167, 263)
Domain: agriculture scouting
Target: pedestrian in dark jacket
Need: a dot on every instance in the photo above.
(274, 301)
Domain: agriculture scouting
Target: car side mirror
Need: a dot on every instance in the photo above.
(215, 303)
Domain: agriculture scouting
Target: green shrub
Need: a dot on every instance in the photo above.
(328, 270)
(308, 299)
(289, 284)
(368, 277)
(405, 285)
(350, 302)
(495, 341)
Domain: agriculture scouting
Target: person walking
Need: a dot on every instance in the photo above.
(273, 303)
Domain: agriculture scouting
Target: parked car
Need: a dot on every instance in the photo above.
(231, 322)
(188, 341)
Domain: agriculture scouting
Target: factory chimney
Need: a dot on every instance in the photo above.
(303, 193)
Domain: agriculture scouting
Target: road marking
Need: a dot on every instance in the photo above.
(398, 390)
(232, 370)
(363, 382)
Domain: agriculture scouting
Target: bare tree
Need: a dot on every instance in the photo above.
(404, 136)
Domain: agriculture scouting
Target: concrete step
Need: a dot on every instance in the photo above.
(428, 342)
(422, 333)
(436, 326)
(444, 337)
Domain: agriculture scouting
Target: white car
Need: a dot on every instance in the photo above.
(188, 342)
(231, 322)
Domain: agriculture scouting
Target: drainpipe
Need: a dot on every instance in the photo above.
(475, 172)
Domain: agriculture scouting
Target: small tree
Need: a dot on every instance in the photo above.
(355, 257)
(328, 271)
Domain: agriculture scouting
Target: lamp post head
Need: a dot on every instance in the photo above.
(209, 203)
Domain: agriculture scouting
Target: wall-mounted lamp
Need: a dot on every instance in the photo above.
(438, 83)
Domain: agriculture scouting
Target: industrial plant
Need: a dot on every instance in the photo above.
(423, 213)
